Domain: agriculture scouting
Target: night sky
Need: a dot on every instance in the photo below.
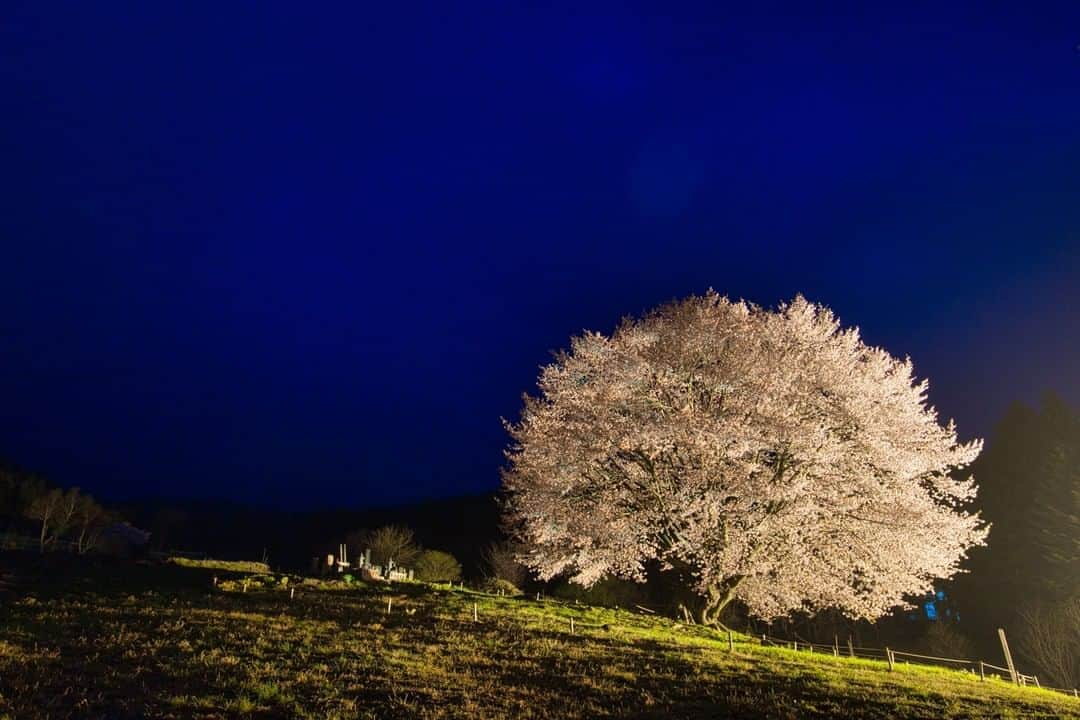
(309, 257)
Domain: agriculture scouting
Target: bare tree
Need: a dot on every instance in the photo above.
(90, 520)
(390, 542)
(1050, 639)
(771, 454)
(54, 510)
(44, 509)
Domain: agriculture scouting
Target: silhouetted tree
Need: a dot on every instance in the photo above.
(1054, 524)
(1029, 487)
(165, 525)
(501, 561)
(18, 490)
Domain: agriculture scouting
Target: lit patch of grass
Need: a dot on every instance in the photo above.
(238, 566)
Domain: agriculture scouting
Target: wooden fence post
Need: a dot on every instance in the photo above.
(730, 642)
(889, 657)
(571, 626)
(389, 604)
(1008, 656)
(850, 647)
(475, 615)
(982, 670)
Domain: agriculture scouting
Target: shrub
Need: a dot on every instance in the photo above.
(498, 586)
(250, 582)
(943, 639)
(609, 592)
(436, 566)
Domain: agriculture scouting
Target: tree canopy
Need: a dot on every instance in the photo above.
(773, 454)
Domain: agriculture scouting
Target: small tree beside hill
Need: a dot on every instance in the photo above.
(55, 511)
(436, 566)
(88, 523)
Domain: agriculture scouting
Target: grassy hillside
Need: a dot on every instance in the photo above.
(162, 642)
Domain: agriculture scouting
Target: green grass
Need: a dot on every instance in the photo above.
(238, 566)
(162, 642)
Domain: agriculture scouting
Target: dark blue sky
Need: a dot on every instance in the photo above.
(310, 257)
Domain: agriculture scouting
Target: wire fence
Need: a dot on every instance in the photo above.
(976, 667)
(891, 657)
(980, 667)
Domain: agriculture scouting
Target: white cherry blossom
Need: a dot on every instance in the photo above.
(773, 453)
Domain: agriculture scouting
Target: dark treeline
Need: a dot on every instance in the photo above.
(31, 507)
(462, 526)
(1029, 489)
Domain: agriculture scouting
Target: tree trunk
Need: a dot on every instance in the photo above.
(41, 538)
(718, 597)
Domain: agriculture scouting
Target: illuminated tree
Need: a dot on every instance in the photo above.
(55, 511)
(437, 566)
(773, 454)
